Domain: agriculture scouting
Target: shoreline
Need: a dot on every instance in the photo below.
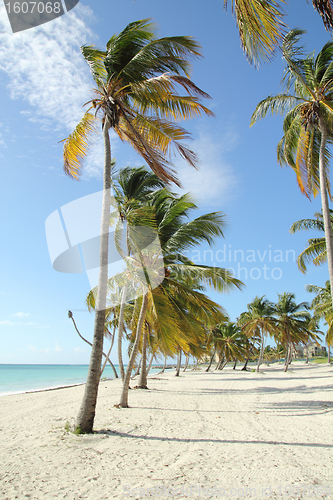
(254, 432)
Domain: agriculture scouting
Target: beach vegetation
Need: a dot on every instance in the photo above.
(261, 25)
(323, 310)
(137, 80)
(308, 123)
(315, 252)
(258, 322)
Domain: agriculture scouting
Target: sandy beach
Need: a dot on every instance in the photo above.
(228, 434)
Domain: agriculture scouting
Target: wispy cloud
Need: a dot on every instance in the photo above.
(79, 349)
(216, 181)
(45, 66)
(33, 348)
(58, 348)
(21, 314)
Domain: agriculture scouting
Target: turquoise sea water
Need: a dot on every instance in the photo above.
(24, 378)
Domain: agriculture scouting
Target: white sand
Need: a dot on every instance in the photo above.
(229, 431)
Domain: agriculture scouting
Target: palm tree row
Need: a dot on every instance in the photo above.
(289, 323)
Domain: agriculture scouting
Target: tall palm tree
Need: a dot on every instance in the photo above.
(261, 27)
(316, 249)
(258, 321)
(136, 78)
(132, 187)
(308, 123)
(293, 323)
(322, 309)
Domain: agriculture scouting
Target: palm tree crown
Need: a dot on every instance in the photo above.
(137, 78)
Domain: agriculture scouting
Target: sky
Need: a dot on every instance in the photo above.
(43, 84)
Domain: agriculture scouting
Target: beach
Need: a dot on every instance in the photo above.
(222, 434)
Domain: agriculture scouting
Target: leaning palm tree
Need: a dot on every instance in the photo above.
(322, 309)
(293, 323)
(137, 79)
(132, 187)
(315, 252)
(308, 124)
(258, 321)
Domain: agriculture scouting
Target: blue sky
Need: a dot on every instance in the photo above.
(44, 82)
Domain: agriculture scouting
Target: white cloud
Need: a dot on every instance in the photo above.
(45, 66)
(58, 348)
(21, 314)
(7, 322)
(215, 182)
(79, 349)
(33, 348)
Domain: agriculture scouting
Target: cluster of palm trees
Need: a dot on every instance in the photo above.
(142, 90)
(289, 324)
(174, 316)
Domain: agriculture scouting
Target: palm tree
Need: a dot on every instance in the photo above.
(230, 340)
(137, 78)
(322, 309)
(261, 27)
(293, 323)
(308, 124)
(132, 187)
(258, 321)
(316, 249)
(177, 310)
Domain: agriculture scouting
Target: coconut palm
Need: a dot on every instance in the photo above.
(293, 323)
(315, 252)
(261, 27)
(322, 309)
(177, 310)
(258, 321)
(136, 95)
(230, 341)
(131, 186)
(308, 123)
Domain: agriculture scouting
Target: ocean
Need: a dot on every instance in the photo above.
(15, 379)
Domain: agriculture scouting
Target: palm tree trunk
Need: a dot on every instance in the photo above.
(324, 201)
(70, 315)
(86, 415)
(187, 357)
(224, 364)
(150, 363)
(138, 369)
(120, 331)
(179, 362)
(245, 365)
(143, 373)
(220, 363)
(261, 350)
(211, 360)
(195, 366)
(328, 354)
(288, 357)
(234, 367)
(162, 371)
(124, 395)
(107, 358)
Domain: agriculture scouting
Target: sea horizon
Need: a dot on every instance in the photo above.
(18, 378)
